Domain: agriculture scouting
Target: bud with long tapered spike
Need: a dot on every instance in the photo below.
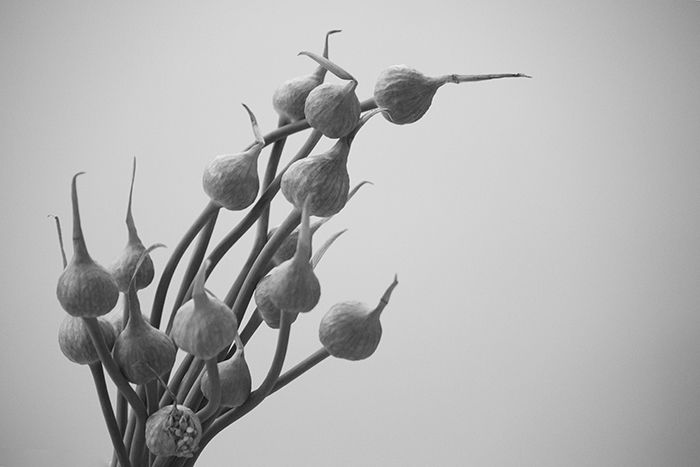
(407, 93)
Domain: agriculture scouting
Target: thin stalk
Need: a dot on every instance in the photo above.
(129, 434)
(213, 403)
(176, 380)
(190, 378)
(171, 265)
(113, 370)
(101, 386)
(193, 266)
(455, 78)
(301, 368)
(261, 262)
(257, 396)
(191, 400)
(139, 443)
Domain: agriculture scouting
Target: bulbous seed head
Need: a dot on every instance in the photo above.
(173, 430)
(322, 177)
(231, 181)
(405, 93)
(268, 311)
(84, 288)
(75, 342)
(351, 330)
(333, 109)
(204, 325)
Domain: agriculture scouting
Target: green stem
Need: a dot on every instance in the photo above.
(139, 443)
(257, 396)
(176, 380)
(113, 370)
(171, 265)
(193, 266)
(129, 433)
(101, 386)
(213, 403)
(261, 262)
(190, 378)
(301, 368)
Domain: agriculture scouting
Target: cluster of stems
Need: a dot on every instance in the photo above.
(178, 394)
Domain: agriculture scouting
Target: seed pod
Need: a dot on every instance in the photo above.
(324, 177)
(85, 288)
(351, 330)
(293, 286)
(268, 311)
(288, 100)
(141, 351)
(123, 268)
(173, 430)
(234, 377)
(204, 325)
(231, 181)
(75, 342)
(407, 93)
(332, 109)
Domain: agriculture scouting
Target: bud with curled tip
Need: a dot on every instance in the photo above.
(204, 325)
(123, 268)
(234, 377)
(351, 330)
(293, 286)
(141, 351)
(85, 289)
(174, 430)
(231, 181)
(324, 176)
(75, 342)
(407, 93)
(289, 99)
(332, 109)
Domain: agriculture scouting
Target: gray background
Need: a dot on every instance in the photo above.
(545, 231)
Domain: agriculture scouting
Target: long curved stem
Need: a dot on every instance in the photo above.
(193, 266)
(257, 396)
(171, 265)
(213, 403)
(101, 386)
(176, 380)
(301, 368)
(113, 370)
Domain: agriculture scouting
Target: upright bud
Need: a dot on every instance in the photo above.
(323, 177)
(142, 352)
(204, 325)
(124, 267)
(292, 286)
(407, 93)
(351, 330)
(85, 288)
(288, 100)
(332, 109)
(231, 181)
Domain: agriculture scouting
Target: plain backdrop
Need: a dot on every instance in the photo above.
(545, 232)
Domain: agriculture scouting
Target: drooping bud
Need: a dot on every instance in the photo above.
(85, 288)
(407, 93)
(204, 325)
(289, 99)
(173, 430)
(234, 377)
(293, 287)
(332, 109)
(324, 176)
(351, 330)
(141, 351)
(123, 268)
(231, 181)
(75, 342)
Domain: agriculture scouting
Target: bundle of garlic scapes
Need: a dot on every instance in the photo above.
(166, 416)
